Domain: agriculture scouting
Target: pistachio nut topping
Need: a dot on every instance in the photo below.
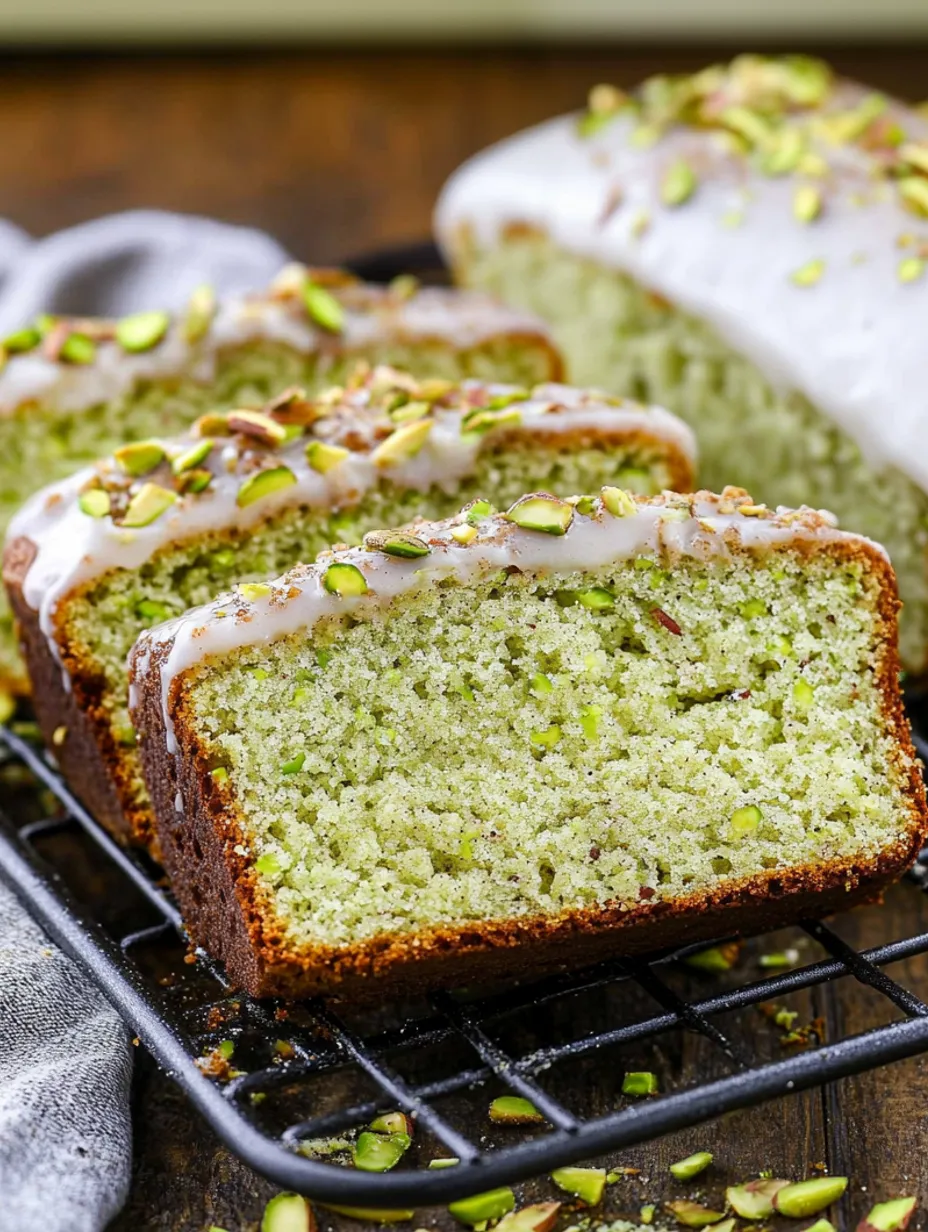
(142, 330)
(619, 503)
(77, 348)
(201, 309)
(396, 543)
(139, 458)
(22, 340)
(345, 580)
(679, 183)
(257, 426)
(264, 483)
(147, 505)
(542, 513)
(323, 458)
(322, 308)
(192, 457)
(94, 502)
(404, 443)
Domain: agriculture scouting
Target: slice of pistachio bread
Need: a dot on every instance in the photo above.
(506, 742)
(746, 246)
(73, 390)
(162, 525)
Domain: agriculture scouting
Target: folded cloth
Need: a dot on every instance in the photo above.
(65, 1056)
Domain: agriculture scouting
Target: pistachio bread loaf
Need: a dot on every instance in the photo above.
(746, 246)
(162, 525)
(577, 728)
(73, 390)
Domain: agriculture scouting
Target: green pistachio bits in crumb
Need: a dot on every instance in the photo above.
(94, 502)
(587, 1184)
(482, 1207)
(448, 1161)
(808, 1197)
(546, 514)
(892, 1216)
(686, 1169)
(540, 1217)
(288, 1213)
(641, 1083)
(693, 1214)
(745, 820)
(370, 1214)
(142, 331)
(514, 1110)
(379, 1152)
(263, 483)
(344, 580)
(322, 308)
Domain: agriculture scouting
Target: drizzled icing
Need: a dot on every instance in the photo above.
(704, 526)
(371, 314)
(730, 245)
(73, 548)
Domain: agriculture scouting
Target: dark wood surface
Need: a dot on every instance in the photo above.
(337, 153)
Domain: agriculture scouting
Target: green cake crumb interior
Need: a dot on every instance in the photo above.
(40, 445)
(506, 749)
(618, 336)
(105, 620)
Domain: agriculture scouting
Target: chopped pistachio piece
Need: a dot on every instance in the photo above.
(192, 457)
(94, 502)
(584, 1183)
(396, 543)
(151, 609)
(482, 1207)
(803, 694)
(253, 590)
(195, 480)
(808, 1197)
(448, 1161)
(409, 412)
(201, 308)
(478, 510)
(288, 1213)
(258, 426)
(542, 513)
(911, 269)
(404, 286)
(686, 1169)
(717, 958)
(540, 1217)
(370, 1214)
(692, 1214)
(140, 457)
(646, 1213)
(779, 959)
(584, 505)
(589, 720)
(219, 775)
(514, 1110)
(640, 1083)
(322, 308)
(22, 340)
(678, 184)
(226, 1049)
(322, 457)
(754, 1199)
(464, 534)
(268, 865)
(783, 152)
(148, 504)
(825, 1225)
(77, 348)
(745, 820)
(213, 423)
(345, 580)
(142, 330)
(914, 192)
(392, 1123)
(263, 483)
(809, 274)
(807, 203)
(541, 683)
(891, 1216)
(619, 503)
(402, 444)
(548, 738)
(379, 1152)
(596, 599)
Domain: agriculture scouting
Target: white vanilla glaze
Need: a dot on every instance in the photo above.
(72, 548)
(703, 526)
(853, 344)
(461, 319)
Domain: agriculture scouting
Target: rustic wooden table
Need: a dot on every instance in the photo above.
(337, 153)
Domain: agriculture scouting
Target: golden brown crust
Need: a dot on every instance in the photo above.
(230, 914)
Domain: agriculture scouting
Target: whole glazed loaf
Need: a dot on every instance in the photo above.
(164, 524)
(507, 743)
(747, 246)
(72, 390)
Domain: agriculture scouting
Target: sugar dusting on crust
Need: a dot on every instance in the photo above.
(387, 426)
(783, 207)
(34, 365)
(704, 525)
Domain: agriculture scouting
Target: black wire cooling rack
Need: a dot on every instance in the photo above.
(303, 1073)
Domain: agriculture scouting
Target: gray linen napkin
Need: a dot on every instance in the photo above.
(65, 1064)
